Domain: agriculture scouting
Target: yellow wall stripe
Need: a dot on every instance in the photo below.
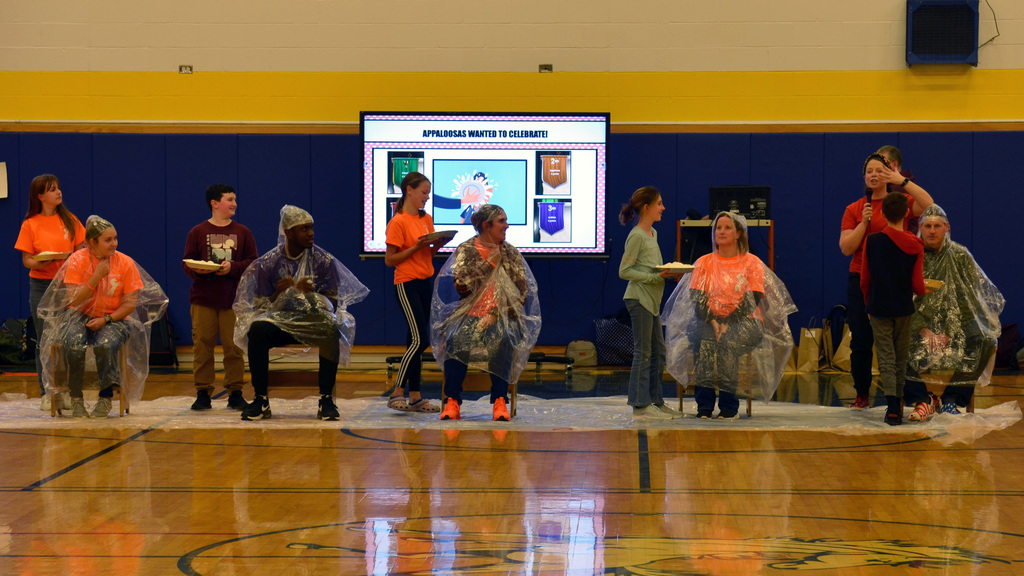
(920, 94)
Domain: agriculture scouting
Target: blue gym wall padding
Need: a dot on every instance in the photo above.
(151, 187)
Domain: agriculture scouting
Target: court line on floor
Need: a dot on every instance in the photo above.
(643, 462)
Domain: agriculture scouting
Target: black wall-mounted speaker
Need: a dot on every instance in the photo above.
(942, 32)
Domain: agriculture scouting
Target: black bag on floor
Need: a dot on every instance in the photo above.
(614, 339)
(162, 351)
(13, 351)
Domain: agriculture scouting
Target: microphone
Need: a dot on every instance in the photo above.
(868, 192)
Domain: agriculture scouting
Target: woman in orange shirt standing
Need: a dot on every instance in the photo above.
(412, 256)
(49, 233)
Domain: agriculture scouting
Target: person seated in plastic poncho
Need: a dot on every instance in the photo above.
(731, 305)
(100, 298)
(954, 328)
(484, 313)
(297, 293)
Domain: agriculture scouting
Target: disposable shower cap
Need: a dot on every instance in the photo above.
(64, 333)
(954, 329)
(470, 291)
(96, 225)
(318, 317)
(740, 223)
(751, 303)
(291, 216)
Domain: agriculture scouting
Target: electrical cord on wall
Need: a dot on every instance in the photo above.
(994, 21)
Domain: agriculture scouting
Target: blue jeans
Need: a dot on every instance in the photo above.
(722, 356)
(648, 357)
(105, 342)
(36, 288)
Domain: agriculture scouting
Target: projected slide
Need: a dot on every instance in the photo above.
(546, 170)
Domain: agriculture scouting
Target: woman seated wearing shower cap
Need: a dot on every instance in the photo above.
(485, 313)
(731, 305)
(100, 298)
(955, 328)
(297, 293)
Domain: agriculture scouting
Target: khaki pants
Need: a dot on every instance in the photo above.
(206, 324)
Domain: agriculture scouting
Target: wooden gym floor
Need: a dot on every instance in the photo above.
(124, 500)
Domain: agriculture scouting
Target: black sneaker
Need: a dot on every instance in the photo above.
(202, 400)
(258, 410)
(894, 411)
(326, 410)
(704, 414)
(236, 401)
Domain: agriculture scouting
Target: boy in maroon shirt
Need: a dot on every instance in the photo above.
(230, 244)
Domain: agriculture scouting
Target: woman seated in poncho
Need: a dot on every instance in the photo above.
(484, 313)
(731, 305)
(100, 298)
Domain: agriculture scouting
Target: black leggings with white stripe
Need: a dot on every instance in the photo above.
(414, 299)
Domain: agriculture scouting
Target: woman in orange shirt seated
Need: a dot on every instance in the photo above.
(100, 298)
(731, 305)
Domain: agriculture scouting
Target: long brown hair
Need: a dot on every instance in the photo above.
(41, 185)
(411, 180)
(642, 197)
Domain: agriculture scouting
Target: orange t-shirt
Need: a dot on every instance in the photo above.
(47, 234)
(727, 280)
(486, 302)
(122, 279)
(403, 231)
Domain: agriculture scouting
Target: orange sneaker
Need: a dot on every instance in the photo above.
(501, 411)
(451, 410)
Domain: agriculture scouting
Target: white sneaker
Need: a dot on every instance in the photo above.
(102, 408)
(44, 403)
(670, 411)
(65, 400)
(650, 412)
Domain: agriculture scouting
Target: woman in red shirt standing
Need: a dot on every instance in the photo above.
(857, 226)
(49, 229)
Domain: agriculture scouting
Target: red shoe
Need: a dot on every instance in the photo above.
(451, 410)
(501, 411)
(861, 403)
(923, 411)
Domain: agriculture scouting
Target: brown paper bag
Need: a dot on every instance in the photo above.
(809, 354)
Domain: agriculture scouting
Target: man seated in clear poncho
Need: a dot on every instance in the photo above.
(297, 293)
(100, 298)
(485, 313)
(955, 328)
(731, 305)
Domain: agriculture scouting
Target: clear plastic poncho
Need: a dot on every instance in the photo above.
(750, 303)
(319, 317)
(954, 330)
(469, 293)
(61, 323)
